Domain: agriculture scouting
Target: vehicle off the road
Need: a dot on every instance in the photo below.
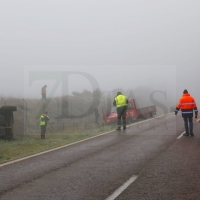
(6, 121)
(133, 113)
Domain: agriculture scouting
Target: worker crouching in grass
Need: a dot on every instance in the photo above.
(121, 103)
(44, 118)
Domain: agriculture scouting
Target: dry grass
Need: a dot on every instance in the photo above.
(60, 130)
(30, 144)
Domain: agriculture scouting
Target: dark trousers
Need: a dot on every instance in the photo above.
(43, 131)
(188, 122)
(121, 116)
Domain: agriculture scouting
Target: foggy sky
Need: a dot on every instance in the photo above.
(121, 43)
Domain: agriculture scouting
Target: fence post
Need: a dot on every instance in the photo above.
(3, 100)
(26, 118)
(58, 111)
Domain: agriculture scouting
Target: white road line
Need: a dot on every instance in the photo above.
(117, 192)
(14, 161)
(34, 155)
(180, 135)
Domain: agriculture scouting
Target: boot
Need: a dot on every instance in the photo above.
(186, 134)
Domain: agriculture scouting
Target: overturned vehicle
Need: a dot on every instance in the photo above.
(6, 121)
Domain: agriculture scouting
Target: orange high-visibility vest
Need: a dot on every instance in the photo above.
(187, 104)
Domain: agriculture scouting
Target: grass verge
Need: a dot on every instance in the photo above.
(32, 144)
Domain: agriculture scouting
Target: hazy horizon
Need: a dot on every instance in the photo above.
(119, 44)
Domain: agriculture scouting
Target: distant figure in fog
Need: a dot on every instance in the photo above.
(44, 118)
(96, 113)
(43, 92)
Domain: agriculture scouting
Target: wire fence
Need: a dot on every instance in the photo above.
(66, 113)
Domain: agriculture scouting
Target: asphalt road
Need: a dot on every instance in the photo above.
(147, 161)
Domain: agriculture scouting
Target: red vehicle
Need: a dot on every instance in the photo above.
(132, 114)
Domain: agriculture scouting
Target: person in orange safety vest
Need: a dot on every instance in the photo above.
(187, 105)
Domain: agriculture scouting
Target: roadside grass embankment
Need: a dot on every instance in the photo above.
(27, 145)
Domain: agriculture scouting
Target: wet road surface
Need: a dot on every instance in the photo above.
(165, 166)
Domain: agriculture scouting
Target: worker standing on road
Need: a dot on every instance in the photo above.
(43, 92)
(121, 103)
(187, 105)
(44, 118)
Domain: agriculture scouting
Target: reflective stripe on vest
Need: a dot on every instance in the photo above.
(120, 101)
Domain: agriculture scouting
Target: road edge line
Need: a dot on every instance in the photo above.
(57, 148)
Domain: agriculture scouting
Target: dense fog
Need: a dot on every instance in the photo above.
(138, 47)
